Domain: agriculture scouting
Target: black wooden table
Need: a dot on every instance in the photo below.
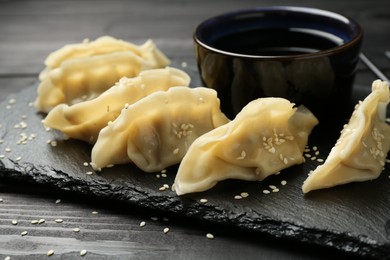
(65, 223)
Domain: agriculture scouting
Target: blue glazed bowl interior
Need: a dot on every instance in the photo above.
(323, 31)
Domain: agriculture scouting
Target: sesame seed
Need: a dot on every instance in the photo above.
(154, 218)
(142, 224)
(285, 161)
(275, 190)
(83, 252)
(320, 160)
(163, 171)
(42, 220)
(166, 230)
(59, 220)
(14, 222)
(35, 221)
(244, 194)
(163, 175)
(157, 176)
(86, 164)
(24, 233)
(237, 197)
(162, 188)
(283, 182)
(18, 158)
(1, 200)
(266, 192)
(272, 187)
(203, 200)
(7, 150)
(307, 155)
(76, 230)
(315, 148)
(2, 156)
(50, 252)
(184, 64)
(89, 173)
(210, 236)
(166, 186)
(176, 151)
(58, 201)
(94, 212)
(7, 258)
(242, 156)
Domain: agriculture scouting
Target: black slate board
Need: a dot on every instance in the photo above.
(353, 218)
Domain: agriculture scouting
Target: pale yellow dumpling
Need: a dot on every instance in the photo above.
(360, 152)
(155, 132)
(268, 135)
(84, 120)
(82, 77)
(102, 45)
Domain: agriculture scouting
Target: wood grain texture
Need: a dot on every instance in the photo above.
(31, 29)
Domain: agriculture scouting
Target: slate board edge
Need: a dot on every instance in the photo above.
(186, 207)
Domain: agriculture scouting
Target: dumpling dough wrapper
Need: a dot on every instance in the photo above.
(84, 120)
(156, 132)
(268, 135)
(87, 74)
(360, 152)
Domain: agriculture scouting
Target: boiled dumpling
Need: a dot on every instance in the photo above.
(156, 131)
(85, 120)
(102, 45)
(268, 135)
(83, 78)
(360, 152)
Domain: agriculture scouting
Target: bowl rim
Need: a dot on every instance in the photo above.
(357, 39)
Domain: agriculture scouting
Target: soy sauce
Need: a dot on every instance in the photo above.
(276, 42)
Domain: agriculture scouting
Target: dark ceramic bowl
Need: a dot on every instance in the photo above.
(306, 55)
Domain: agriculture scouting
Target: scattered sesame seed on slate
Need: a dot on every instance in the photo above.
(237, 197)
(210, 236)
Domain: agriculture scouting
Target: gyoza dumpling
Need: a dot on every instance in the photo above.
(85, 120)
(85, 78)
(101, 45)
(268, 135)
(156, 131)
(360, 152)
